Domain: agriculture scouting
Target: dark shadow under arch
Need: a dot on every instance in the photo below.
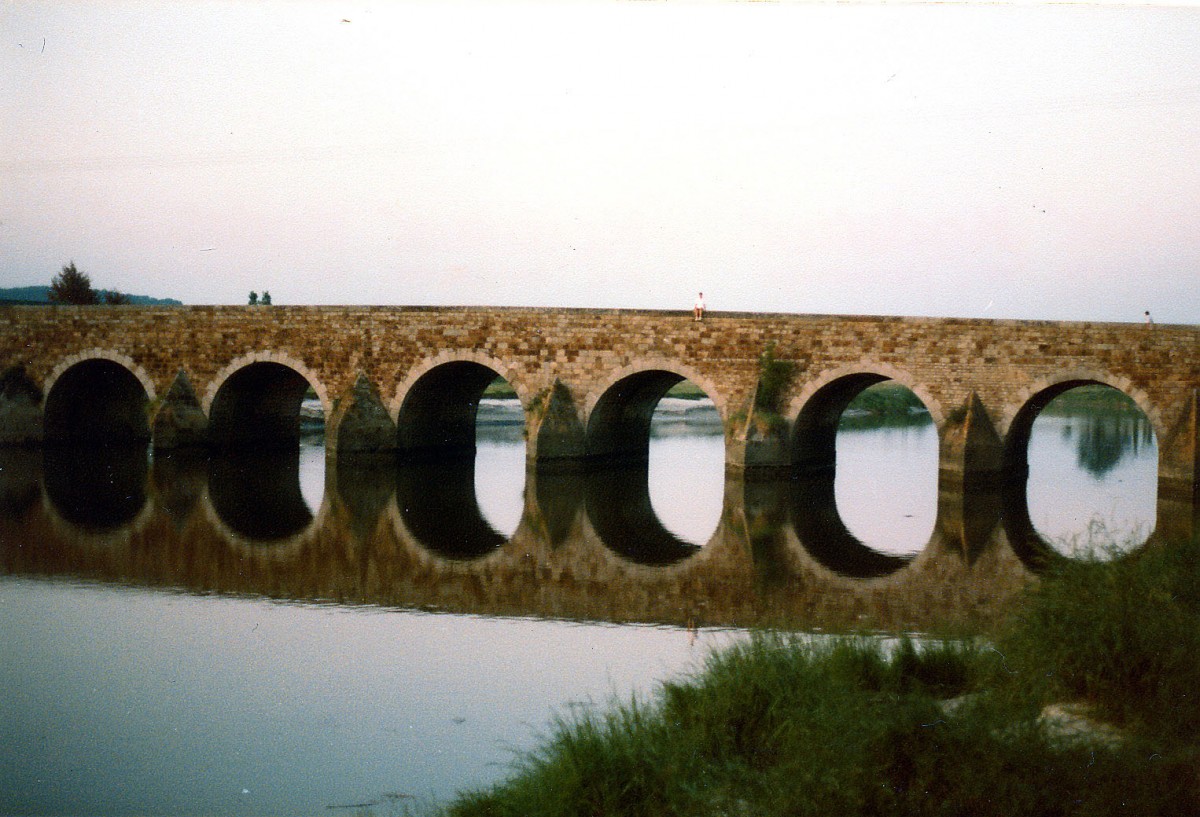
(618, 428)
(437, 417)
(258, 406)
(97, 402)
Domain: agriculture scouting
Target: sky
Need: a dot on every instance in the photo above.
(976, 160)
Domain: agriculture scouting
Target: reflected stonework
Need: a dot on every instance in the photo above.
(586, 547)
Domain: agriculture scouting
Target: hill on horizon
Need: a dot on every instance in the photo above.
(41, 295)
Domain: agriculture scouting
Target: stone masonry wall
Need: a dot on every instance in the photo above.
(998, 366)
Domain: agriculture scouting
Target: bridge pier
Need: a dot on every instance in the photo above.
(1179, 456)
(20, 409)
(970, 451)
(180, 421)
(758, 447)
(359, 424)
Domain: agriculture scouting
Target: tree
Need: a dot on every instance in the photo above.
(253, 298)
(72, 287)
(266, 299)
(114, 298)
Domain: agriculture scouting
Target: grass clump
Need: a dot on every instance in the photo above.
(784, 725)
(1121, 634)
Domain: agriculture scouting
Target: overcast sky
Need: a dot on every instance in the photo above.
(979, 160)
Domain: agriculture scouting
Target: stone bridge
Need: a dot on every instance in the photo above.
(409, 379)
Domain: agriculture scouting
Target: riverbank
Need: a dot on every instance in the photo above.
(1083, 702)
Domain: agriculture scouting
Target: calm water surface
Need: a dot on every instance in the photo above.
(170, 658)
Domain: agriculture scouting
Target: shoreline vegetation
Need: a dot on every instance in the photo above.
(1084, 701)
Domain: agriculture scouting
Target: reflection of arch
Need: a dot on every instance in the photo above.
(251, 500)
(255, 401)
(619, 413)
(99, 396)
(436, 503)
(435, 407)
(820, 530)
(106, 539)
(819, 406)
(257, 494)
(619, 509)
(96, 488)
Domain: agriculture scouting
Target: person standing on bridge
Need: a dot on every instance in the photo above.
(698, 308)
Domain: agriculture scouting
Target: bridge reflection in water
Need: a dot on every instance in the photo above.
(586, 547)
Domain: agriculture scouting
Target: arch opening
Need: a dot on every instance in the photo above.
(1081, 469)
(440, 414)
(461, 451)
(686, 463)
(97, 402)
(618, 428)
(661, 430)
(258, 407)
(865, 467)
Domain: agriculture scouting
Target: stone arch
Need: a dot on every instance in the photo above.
(434, 408)
(119, 394)
(281, 358)
(618, 426)
(101, 354)
(254, 401)
(687, 372)
(1055, 384)
(1016, 425)
(500, 367)
(815, 411)
(868, 366)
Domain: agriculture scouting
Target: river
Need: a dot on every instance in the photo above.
(274, 636)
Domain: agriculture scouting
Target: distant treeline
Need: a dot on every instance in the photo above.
(1093, 397)
(41, 295)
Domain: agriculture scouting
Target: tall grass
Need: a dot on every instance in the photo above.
(1121, 633)
(782, 725)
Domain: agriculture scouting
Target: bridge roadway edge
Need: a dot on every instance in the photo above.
(976, 376)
